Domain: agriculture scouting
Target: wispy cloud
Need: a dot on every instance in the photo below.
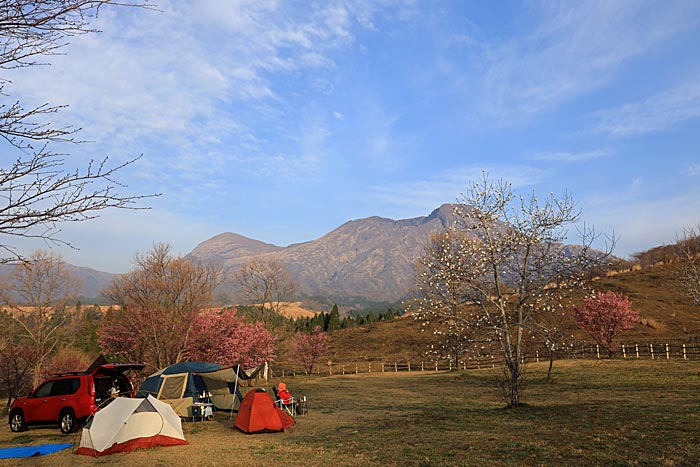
(194, 87)
(657, 113)
(570, 156)
(574, 47)
(427, 194)
(693, 170)
(641, 225)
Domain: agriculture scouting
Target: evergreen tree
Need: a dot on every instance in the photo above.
(333, 319)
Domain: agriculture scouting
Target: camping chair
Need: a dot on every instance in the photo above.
(290, 407)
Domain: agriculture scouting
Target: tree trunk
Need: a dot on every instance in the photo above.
(514, 384)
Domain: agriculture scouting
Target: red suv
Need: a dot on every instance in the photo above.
(70, 398)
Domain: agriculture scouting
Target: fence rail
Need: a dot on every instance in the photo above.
(671, 350)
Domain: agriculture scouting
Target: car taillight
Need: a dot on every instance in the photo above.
(92, 389)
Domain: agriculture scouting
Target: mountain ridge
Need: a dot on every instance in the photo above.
(370, 257)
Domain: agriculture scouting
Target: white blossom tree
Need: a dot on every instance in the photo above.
(441, 302)
(687, 273)
(512, 266)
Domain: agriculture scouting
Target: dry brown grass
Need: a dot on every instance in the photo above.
(593, 413)
(296, 310)
(653, 324)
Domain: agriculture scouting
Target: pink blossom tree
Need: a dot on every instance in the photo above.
(604, 316)
(222, 337)
(67, 359)
(311, 347)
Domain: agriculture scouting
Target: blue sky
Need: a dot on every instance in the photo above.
(282, 120)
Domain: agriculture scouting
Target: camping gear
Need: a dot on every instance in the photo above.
(128, 424)
(259, 414)
(32, 451)
(194, 388)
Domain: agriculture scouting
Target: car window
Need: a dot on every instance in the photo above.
(62, 387)
(44, 390)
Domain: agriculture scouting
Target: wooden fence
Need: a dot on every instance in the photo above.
(671, 350)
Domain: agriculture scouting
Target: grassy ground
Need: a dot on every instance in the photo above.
(594, 413)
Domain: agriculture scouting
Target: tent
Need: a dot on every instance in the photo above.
(186, 383)
(127, 424)
(259, 414)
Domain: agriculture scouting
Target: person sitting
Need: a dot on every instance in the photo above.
(284, 397)
(114, 390)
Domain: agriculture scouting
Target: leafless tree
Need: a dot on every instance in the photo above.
(37, 190)
(40, 294)
(687, 270)
(265, 284)
(160, 298)
(513, 262)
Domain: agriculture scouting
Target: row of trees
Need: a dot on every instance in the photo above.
(162, 317)
(331, 321)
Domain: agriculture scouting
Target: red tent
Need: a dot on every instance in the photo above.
(259, 414)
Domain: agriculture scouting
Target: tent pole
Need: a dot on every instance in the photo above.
(235, 392)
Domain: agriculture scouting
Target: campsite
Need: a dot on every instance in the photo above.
(350, 233)
(605, 413)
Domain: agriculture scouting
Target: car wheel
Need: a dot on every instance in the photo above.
(17, 422)
(68, 421)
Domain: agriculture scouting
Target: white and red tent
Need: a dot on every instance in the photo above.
(127, 424)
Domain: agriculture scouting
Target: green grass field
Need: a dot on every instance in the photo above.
(594, 413)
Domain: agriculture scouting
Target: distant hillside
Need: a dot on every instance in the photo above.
(666, 317)
(91, 281)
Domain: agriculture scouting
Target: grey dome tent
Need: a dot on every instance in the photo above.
(186, 383)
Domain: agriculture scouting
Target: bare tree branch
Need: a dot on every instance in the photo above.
(37, 190)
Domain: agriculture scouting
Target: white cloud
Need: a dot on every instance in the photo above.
(641, 225)
(110, 242)
(191, 86)
(693, 170)
(575, 47)
(657, 113)
(570, 156)
(425, 195)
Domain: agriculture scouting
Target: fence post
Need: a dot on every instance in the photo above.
(409, 366)
(597, 351)
(382, 366)
(282, 372)
(355, 368)
(436, 368)
(537, 356)
(668, 356)
(396, 367)
(636, 348)
(651, 349)
(421, 366)
(294, 372)
(450, 365)
(684, 357)
(624, 351)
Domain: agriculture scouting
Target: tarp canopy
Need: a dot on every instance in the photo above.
(127, 424)
(201, 381)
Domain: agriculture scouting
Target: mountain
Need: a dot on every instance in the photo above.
(371, 258)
